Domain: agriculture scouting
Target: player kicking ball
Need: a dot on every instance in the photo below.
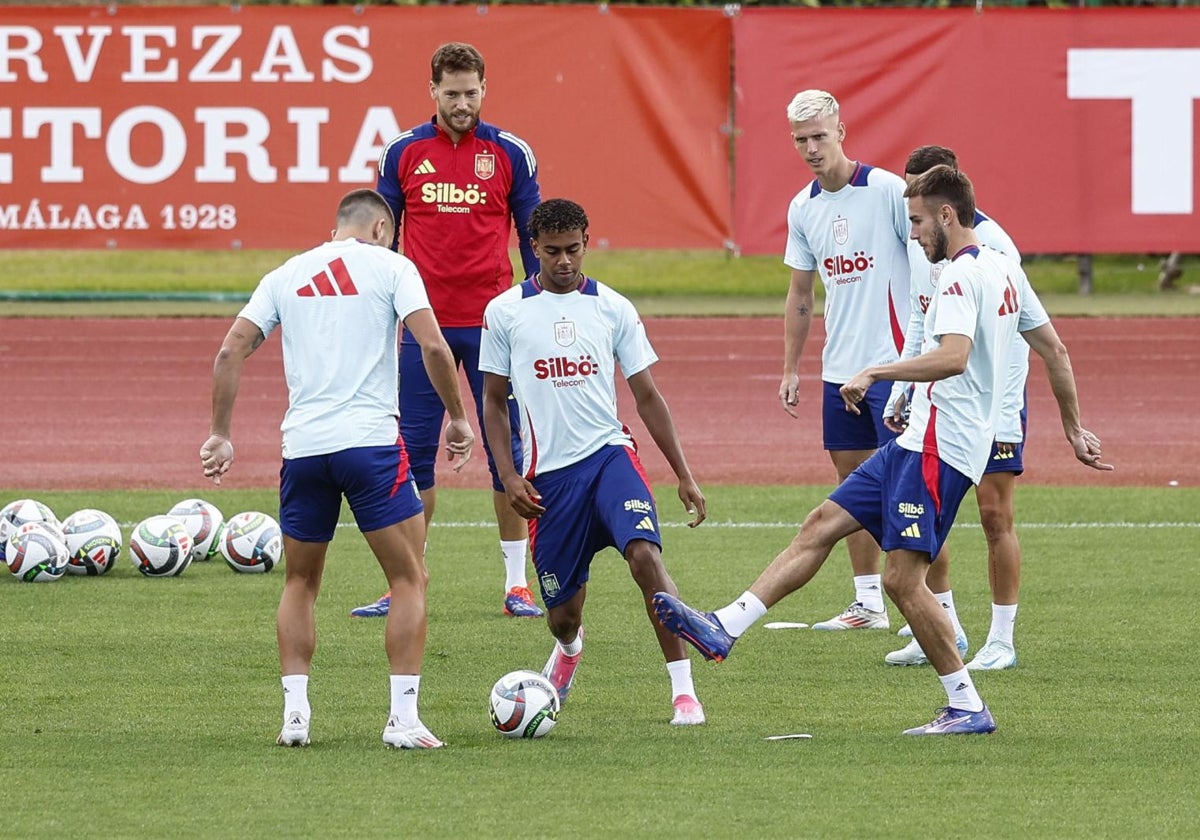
(907, 494)
(557, 338)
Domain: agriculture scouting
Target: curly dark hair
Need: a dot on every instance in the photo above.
(557, 215)
(455, 58)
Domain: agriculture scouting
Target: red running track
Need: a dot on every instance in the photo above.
(96, 403)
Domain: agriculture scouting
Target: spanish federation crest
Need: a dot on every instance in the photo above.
(564, 333)
(485, 166)
(841, 231)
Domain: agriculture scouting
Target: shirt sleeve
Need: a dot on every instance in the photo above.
(631, 347)
(410, 288)
(523, 197)
(798, 254)
(388, 184)
(262, 309)
(495, 350)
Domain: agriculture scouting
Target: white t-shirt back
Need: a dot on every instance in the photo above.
(339, 306)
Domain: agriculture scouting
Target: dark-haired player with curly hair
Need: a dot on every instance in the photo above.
(558, 338)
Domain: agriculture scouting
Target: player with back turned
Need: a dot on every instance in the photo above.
(456, 185)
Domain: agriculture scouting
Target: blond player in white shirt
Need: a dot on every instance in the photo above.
(339, 306)
(994, 493)
(907, 494)
(849, 226)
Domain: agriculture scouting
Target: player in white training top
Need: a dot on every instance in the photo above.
(339, 307)
(558, 338)
(849, 225)
(907, 494)
(994, 494)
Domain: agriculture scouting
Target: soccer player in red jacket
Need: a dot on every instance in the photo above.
(456, 185)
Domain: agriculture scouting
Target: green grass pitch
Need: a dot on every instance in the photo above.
(136, 707)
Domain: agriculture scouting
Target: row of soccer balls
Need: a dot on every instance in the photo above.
(37, 547)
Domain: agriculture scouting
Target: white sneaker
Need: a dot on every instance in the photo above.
(688, 711)
(294, 732)
(911, 654)
(415, 737)
(994, 656)
(856, 617)
(906, 631)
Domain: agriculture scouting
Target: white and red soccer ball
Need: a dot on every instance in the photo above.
(93, 541)
(204, 524)
(160, 546)
(523, 704)
(35, 552)
(252, 542)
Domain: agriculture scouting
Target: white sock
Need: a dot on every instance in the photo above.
(739, 616)
(960, 691)
(514, 563)
(868, 591)
(1004, 618)
(946, 599)
(572, 649)
(681, 678)
(295, 695)
(405, 688)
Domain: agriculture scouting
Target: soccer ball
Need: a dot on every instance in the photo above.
(15, 514)
(36, 552)
(204, 523)
(93, 542)
(160, 547)
(524, 704)
(252, 542)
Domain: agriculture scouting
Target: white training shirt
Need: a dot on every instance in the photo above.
(922, 286)
(855, 239)
(985, 296)
(339, 306)
(561, 352)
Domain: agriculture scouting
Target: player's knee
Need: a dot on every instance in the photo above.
(996, 518)
(645, 563)
(900, 587)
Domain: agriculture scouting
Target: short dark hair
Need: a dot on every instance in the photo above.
(557, 215)
(455, 57)
(363, 207)
(946, 185)
(924, 158)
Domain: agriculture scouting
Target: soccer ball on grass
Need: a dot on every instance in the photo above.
(35, 552)
(160, 546)
(93, 541)
(204, 524)
(252, 542)
(523, 704)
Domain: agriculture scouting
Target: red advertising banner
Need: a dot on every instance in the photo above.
(241, 126)
(1076, 126)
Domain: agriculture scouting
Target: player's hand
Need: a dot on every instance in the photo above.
(459, 440)
(855, 390)
(1003, 448)
(216, 457)
(789, 393)
(896, 418)
(693, 501)
(1087, 450)
(523, 497)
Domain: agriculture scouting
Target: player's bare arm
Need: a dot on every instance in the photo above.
(653, 410)
(243, 338)
(797, 320)
(1045, 342)
(439, 364)
(521, 494)
(948, 359)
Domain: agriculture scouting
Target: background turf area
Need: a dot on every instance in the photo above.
(141, 707)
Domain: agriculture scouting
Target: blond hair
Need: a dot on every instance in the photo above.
(811, 104)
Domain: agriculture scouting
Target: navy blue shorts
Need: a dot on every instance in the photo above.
(1013, 462)
(904, 499)
(845, 430)
(374, 479)
(422, 413)
(603, 501)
